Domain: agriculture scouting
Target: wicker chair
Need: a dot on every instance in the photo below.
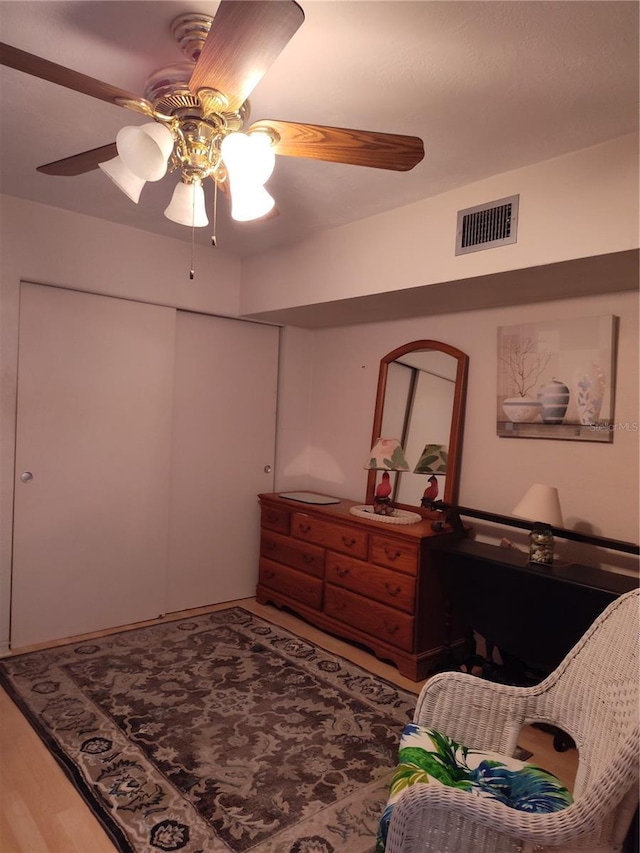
(592, 695)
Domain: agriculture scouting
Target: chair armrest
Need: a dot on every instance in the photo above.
(480, 714)
(433, 813)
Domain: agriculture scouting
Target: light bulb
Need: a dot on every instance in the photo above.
(250, 203)
(249, 159)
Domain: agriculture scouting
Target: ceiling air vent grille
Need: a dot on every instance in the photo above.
(487, 225)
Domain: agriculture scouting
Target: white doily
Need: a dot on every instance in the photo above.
(400, 516)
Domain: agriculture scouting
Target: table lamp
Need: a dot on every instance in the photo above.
(385, 455)
(433, 460)
(541, 505)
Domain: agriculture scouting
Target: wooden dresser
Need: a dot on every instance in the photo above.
(365, 581)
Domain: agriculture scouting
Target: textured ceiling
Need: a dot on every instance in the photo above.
(489, 87)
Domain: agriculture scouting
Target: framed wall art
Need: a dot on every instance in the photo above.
(556, 379)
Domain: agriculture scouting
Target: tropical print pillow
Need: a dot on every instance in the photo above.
(428, 757)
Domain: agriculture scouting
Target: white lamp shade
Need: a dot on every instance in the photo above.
(387, 455)
(247, 204)
(145, 149)
(187, 205)
(249, 159)
(130, 184)
(540, 503)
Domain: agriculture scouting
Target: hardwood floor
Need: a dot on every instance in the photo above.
(41, 812)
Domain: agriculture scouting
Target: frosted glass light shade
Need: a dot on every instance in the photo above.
(540, 503)
(145, 149)
(249, 159)
(130, 184)
(247, 204)
(387, 455)
(187, 205)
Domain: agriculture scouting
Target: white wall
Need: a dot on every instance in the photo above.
(49, 246)
(334, 371)
(582, 204)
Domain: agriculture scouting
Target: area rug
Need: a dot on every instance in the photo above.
(221, 733)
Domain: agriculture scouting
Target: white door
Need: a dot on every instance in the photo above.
(94, 432)
(223, 438)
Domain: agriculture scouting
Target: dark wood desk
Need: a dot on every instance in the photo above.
(532, 613)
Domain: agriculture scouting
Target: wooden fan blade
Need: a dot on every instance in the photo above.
(78, 164)
(342, 145)
(13, 57)
(245, 39)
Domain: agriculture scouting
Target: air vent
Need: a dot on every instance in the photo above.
(487, 225)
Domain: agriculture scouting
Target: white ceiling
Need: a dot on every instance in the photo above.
(489, 86)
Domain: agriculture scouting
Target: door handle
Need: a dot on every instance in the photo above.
(26, 476)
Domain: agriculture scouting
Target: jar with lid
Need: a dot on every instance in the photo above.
(541, 545)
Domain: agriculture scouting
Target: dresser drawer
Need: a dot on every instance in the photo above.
(381, 622)
(299, 555)
(338, 537)
(395, 554)
(275, 519)
(392, 588)
(297, 585)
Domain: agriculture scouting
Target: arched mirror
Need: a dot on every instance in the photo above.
(422, 388)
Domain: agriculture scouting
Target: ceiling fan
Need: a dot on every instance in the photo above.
(199, 109)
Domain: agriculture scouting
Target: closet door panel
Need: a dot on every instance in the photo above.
(225, 393)
(94, 429)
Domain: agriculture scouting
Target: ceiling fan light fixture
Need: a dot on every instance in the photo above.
(250, 160)
(130, 184)
(187, 205)
(250, 203)
(145, 149)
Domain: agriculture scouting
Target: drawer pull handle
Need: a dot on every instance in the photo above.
(272, 517)
(269, 574)
(392, 555)
(342, 573)
(270, 546)
(396, 590)
(304, 528)
(392, 629)
(348, 542)
(308, 559)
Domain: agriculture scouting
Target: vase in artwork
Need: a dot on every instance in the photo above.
(554, 398)
(590, 386)
(521, 409)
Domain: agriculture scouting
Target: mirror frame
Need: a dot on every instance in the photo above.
(457, 417)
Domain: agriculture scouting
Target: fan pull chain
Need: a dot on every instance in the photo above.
(193, 235)
(215, 213)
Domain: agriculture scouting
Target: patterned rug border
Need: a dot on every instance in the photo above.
(66, 764)
(89, 796)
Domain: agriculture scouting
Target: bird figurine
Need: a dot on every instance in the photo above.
(381, 501)
(430, 493)
(383, 489)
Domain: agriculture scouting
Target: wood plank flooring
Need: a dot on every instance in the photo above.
(41, 812)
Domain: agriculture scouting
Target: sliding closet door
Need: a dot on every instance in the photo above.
(223, 437)
(92, 463)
